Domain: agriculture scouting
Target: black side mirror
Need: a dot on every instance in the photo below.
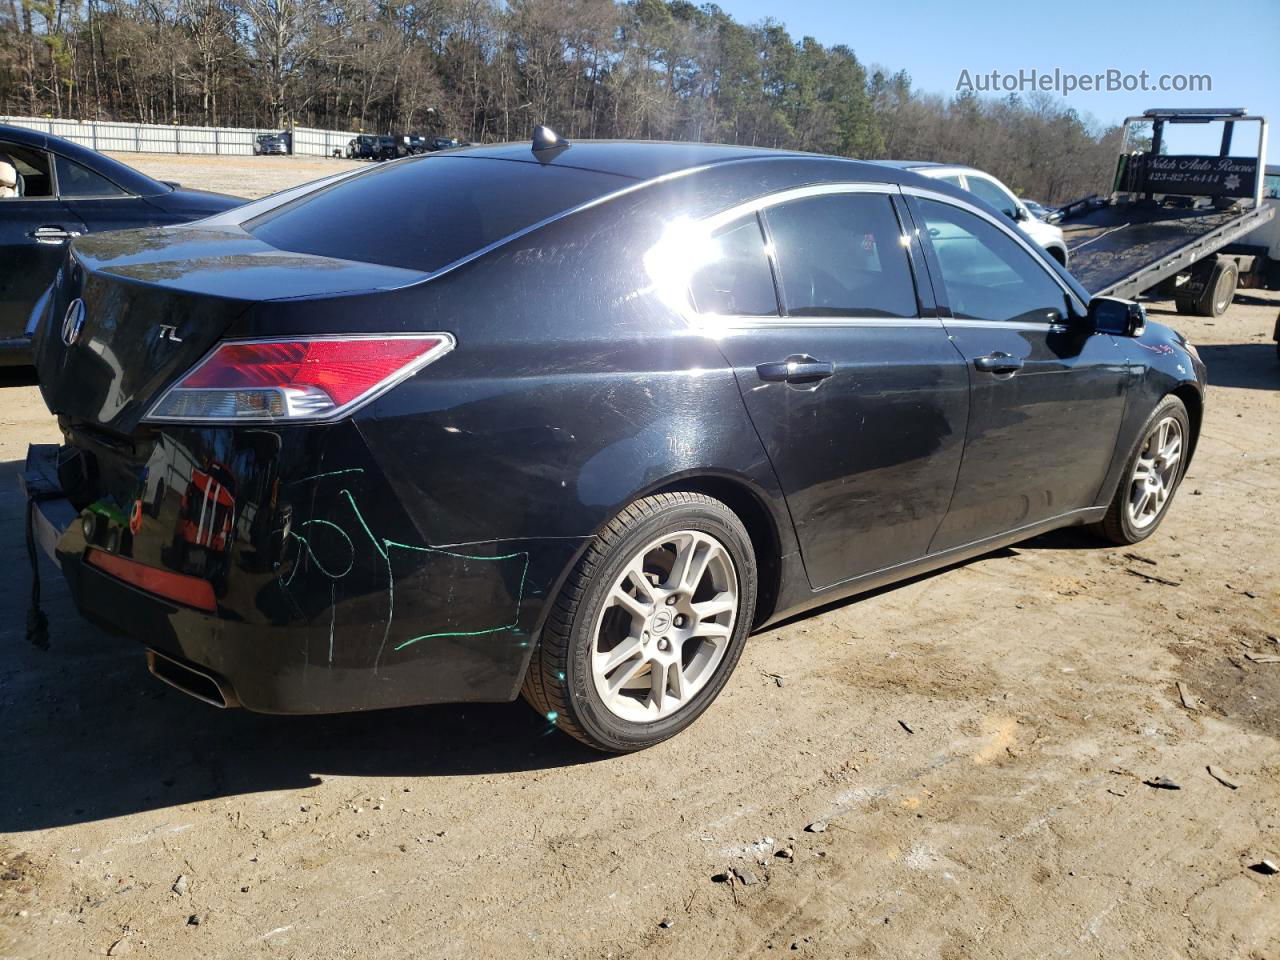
(1123, 318)
(1017, 214)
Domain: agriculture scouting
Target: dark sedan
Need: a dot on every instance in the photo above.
(63, 190)
(572, 421)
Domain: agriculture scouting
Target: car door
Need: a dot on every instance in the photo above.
(850, 381)
(34, 229)
(1047, 396)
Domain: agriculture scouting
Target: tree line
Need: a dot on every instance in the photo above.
(489, 70)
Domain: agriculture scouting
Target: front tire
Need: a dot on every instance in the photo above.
(649, 625)
(1151, 476)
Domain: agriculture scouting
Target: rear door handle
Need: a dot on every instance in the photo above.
(51, 233)
(998, 362)
(800, 368)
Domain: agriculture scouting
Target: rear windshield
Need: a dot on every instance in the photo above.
(424, 213)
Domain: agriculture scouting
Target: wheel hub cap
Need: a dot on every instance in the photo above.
(1155, 473)
(665, 626)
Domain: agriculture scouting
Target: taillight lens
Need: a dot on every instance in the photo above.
(318, 378)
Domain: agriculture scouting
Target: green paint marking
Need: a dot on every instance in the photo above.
(383, 546)
(331, 473)
(311, 553)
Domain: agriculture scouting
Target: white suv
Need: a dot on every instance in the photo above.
(997, 195)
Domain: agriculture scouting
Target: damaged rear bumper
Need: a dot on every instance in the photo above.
(51, 513)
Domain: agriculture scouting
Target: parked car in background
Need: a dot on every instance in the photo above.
(1046, 213)
(443, 143)
(995, 193)
(265, 144)
(368, 146)
(716, 386)
(61, 190)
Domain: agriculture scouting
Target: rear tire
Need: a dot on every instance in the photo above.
(1151, 476)
(1219, 291)
(675, 636)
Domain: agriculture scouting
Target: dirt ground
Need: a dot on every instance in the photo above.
(976, 741)
(239, 176)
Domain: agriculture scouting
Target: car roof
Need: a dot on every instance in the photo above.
(121, 174)
(638, 159)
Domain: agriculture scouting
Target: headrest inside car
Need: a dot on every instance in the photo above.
(8, 179)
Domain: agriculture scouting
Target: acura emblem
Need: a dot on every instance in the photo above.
(73, 321)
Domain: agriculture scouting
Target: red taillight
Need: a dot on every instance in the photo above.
(191, 591)
(305, 379)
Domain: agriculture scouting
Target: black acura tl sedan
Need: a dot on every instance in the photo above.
(571, 422)
(62, 190)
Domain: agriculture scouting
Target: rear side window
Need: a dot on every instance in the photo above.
(427, 212)
(737, 282)
(842, 255)
(75, 180)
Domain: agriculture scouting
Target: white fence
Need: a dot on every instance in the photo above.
(157, 138)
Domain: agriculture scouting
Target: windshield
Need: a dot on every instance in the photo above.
(424, 213)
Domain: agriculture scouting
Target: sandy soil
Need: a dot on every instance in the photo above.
(239, 176)
(976, 741)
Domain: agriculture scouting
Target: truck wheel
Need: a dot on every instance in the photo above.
(1151, 475)
(1219, 290)
(649, 625)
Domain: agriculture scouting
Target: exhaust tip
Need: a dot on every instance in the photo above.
(192, 681)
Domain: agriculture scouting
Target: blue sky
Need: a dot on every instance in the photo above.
(1236, 43)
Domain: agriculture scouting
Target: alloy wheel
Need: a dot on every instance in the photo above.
(1155, 473)
(665, 626)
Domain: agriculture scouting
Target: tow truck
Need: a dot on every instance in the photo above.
(1177, 225)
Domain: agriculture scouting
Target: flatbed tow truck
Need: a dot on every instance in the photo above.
(1176, 225)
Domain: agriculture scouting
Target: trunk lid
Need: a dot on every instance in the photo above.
(131, 311)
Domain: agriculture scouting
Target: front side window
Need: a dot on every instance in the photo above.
(77, 180)
(30, 172)
(987, 275)
(736, 280)
(993, 194)
(842, 255)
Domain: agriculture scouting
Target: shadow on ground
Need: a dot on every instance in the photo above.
(1252, 366)
(86, 733)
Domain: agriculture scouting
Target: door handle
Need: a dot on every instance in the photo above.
(800, 368)
(998, 362)
(53, 234)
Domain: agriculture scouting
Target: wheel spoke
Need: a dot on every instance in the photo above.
(658, 688)
(635, 575)
(626, 674)
(638, 609)
(676, 683)
(1142, 470)
(721, 603)
(1140, 508)
(711, 630)
(691, 563)
(624, 651)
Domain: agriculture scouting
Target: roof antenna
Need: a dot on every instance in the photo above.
(547, 144)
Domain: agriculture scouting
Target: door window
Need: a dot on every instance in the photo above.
(987, 275)
(76, 180)
(32, 167)
(993, 194)
(842, 255)
(737, 281)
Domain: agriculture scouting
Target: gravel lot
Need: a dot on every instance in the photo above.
(239, 176)
(976, 741)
